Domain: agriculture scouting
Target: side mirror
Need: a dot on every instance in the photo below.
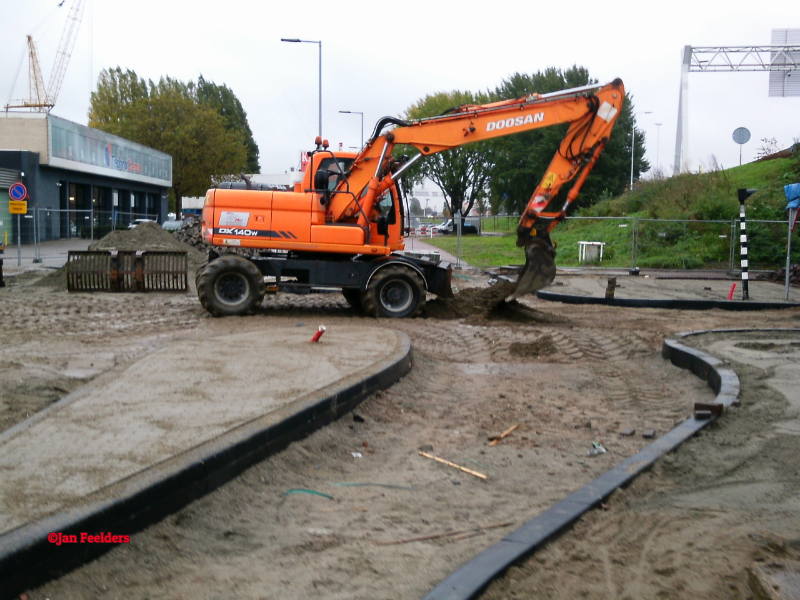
(383, 225)
(321, 178)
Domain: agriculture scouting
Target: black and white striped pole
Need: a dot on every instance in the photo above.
(744, 194)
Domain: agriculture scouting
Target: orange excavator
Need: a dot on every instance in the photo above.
(342, 225)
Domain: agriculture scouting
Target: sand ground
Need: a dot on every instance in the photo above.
(340, 514)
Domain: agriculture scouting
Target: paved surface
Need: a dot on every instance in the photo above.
(417, 244)
(669, 286)
(53, 255)
(175, 399)
(776, 355)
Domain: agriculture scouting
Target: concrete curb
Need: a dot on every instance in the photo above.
(28, 559)
(471, 578)
(673, 304)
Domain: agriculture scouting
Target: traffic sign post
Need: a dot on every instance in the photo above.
(19, 242)
(741, 136)
(744, 194)
(18, 191)
(18, 205)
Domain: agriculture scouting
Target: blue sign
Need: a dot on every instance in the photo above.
(17, 192)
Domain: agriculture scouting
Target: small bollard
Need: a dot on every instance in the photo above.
(319, 333)
(612, 285)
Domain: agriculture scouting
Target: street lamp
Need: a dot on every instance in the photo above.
(633, 141)
(296, 41)
(355, 112)
(658, 146)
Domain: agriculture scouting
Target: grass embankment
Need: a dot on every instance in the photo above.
(689, 221)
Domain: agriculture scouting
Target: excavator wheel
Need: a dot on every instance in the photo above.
(394, 292)
(539, 270)
(199, 273)
(353, 298)
(230, 285)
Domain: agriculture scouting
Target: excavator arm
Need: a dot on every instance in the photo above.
(591, 112)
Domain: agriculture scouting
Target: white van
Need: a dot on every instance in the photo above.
(468, 226)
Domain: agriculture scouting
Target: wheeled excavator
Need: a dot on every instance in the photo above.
(342, 226)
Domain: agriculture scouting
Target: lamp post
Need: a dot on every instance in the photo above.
(355, 112)
(633, 141)
(319, 43)
(658, 147)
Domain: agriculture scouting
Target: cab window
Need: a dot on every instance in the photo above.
(335, 166)
(384, 207)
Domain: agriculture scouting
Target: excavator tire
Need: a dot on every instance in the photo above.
(230, 285)
(353, 298)
(199, 273)
(395, 292)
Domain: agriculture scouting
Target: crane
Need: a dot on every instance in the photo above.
(40, 98)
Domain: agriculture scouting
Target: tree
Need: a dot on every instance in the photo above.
(167, 116)
(521, 160)
(461, 173)
(117, 92)
(415, 208)
(194, 134)
(225, 102)
(768, 146)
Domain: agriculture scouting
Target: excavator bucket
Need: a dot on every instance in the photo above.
(539, 270)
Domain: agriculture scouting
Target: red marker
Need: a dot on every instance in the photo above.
(319, 333)
(730, 294)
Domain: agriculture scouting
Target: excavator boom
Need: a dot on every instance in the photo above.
(591, 112)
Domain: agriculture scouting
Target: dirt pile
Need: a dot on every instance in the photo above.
(544, 346)
(469, 302)
(780, 276)
(148, 236)
(480, 306)
(191, 233)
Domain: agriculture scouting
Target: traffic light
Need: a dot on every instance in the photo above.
(744, 194)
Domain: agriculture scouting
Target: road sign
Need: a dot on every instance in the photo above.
(17, 207)
(741, 135)
(18, 192)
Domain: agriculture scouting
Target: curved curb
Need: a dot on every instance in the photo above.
(666, 303)
(471, 578)
(27, 559)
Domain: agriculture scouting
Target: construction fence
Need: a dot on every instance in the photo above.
(633, 242)
(45, 224)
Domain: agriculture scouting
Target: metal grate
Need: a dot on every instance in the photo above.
(88, 271)
(165, 271)
(117, 271)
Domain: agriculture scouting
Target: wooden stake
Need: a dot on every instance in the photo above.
(454, 465)
(507, 432)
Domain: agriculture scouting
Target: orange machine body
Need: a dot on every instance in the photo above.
(356, 209)
(298, 220)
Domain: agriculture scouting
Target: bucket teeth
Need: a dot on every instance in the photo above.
(539, 270)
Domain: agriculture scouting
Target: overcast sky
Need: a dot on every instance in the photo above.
(380, 57)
